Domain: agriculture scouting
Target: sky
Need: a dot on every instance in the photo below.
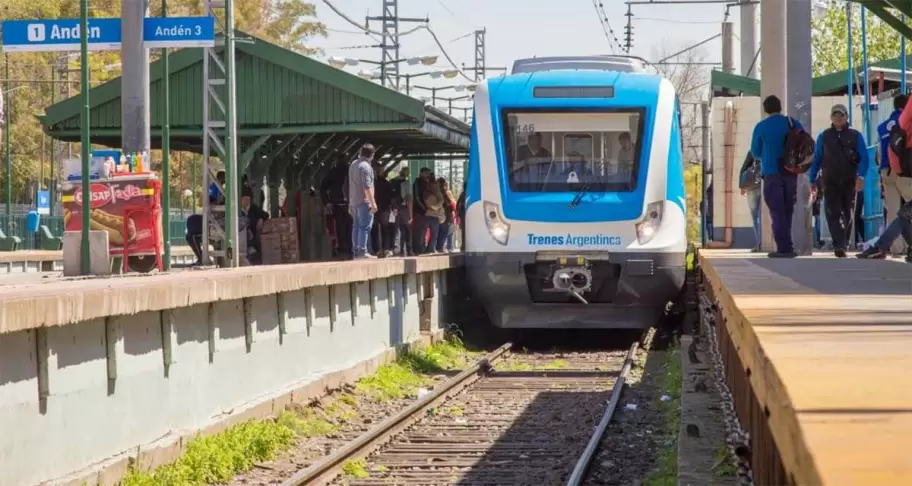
(522, 28)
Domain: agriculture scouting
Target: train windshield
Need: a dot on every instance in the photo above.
(565, 151)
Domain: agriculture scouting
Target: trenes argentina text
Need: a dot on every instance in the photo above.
(574, 241)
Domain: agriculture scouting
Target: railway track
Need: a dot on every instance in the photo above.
(511, 418)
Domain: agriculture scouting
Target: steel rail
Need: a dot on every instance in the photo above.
(325, 471)
(582, 465)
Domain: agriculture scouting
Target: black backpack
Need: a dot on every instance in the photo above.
(898, 146)
(799, 149)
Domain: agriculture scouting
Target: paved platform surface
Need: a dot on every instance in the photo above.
(50, 256)
(830, 345)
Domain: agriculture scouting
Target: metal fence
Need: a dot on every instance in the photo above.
(30, 241)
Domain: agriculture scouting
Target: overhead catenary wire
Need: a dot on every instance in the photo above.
(366, 30)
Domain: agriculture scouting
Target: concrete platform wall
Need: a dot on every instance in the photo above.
(89, 393)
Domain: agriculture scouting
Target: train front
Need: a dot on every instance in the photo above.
(575, 200)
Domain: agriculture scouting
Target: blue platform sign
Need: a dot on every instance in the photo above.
(105, 34)
(44, 202)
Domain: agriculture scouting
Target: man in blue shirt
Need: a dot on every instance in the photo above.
(843, 155)
(780, 188)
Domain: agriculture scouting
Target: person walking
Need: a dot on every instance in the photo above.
(749, 177)
(842, 156)
(897, 187)
(780, 187)
(362, 205)
(901, 226)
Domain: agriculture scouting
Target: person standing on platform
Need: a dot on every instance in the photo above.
(841, 161)
(750, 188)
(402, 200)
(420, 222)
(361, 202)
(897, 186)
(335, 200)
(780, 188)
(383, 234)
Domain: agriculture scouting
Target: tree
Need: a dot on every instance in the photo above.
(34, 82)
(830, 32)
(691, 80)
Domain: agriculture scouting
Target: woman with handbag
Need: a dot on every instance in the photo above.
(749, 183)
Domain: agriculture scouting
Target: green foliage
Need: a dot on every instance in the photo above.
(216, 459)
(35, 84)
(666, 474)
(831, 31)
(356, 469)
(693, 183)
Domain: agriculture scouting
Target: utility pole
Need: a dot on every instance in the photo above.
(772, 82)
(135, 116)
(220, 223)
(749, 44)
(628, 30)
(389, 63)
(728, 47)
(798, 84)
(480, 54)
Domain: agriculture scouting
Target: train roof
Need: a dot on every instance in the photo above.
(621, 64)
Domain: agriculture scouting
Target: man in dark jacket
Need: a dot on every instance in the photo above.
(336, 202)
(383, 233)
(842, 154)
(419, 211)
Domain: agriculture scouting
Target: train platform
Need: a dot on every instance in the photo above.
(826, 347)
(38, 261)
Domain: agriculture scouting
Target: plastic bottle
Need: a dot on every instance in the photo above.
(139, 162)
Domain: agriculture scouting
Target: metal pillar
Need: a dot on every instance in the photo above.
(850, 73)
(800, 73)
(772, 82)
(480, 54)
(166, 149)
(873, 207)
(707, 168)
(728, 47)
(8, 155)
(749, 44)
(389, 64)
(220, 223)
(902, 50)
(85, 141)
(135, 115)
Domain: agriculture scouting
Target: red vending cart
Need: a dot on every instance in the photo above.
(128, 207)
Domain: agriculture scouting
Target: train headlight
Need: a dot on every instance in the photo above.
(497, 227)
(648, 228)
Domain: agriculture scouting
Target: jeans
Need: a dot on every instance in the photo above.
(900, 226)
(753, 202)
(363, 220)
(839, 205)
(444, 235)
(404, 239)
(433, 223)
(419, 229)
(780, 192)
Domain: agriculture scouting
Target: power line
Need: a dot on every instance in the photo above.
(446, 54)
(365, 29)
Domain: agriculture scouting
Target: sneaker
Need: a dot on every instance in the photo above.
(840, 253)
(755, 249)
(872, 253)
(782, 254)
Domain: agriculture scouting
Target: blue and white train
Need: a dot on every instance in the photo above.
(575, 203)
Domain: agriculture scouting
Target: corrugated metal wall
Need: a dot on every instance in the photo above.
(281, 96)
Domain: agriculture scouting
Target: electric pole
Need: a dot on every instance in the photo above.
(479, 54)
(389, 63)
(628, 30)
(728, 47)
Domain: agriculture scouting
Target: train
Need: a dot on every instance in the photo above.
(575, 205)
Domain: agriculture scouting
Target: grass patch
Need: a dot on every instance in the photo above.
(216, 459)
(723, 463)
(666, 473)
(356, 469)
(404, 377)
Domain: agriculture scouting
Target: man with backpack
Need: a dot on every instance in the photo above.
(841, 160)
(896, 164)
(781, 145)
